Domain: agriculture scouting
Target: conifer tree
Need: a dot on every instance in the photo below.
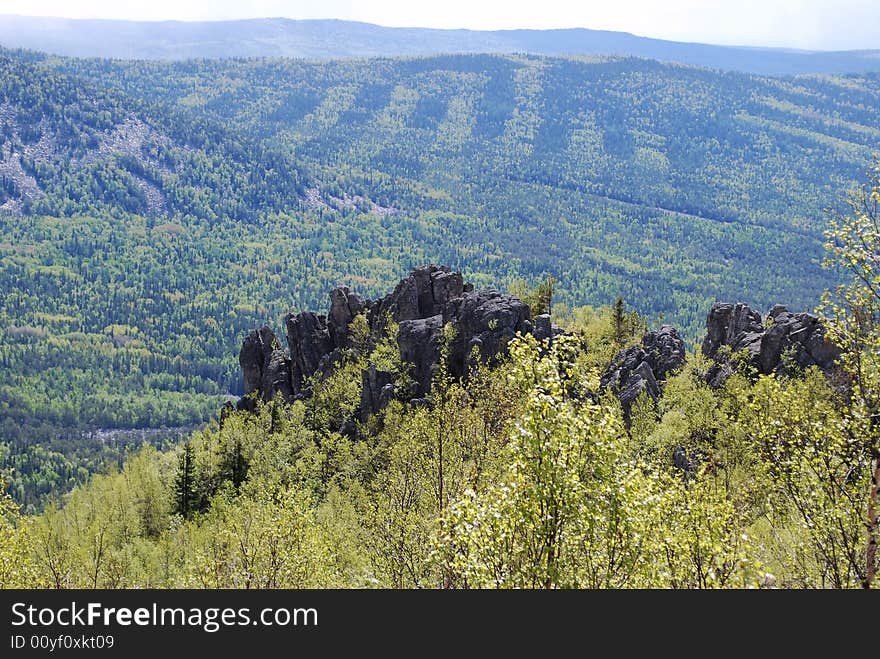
(184, 483)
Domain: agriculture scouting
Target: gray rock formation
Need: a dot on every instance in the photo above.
(309, 341)
(486, 320)
(344, 306)
(255, 352)
(737, 326)
(641, 368)
(543, 328)
(424, 293)
(266, 368)
(377, 390)
(422, 304)
(786, 342)
(419, 343)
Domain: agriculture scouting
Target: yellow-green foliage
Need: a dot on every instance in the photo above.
(17, 565)
(263, 539)
(104, 535)
(577, 508)
(520, 476)
(814, 467)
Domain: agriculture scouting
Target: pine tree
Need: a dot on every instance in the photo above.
(541, 299)
(619, 323)
(184, 483)
(236, 467)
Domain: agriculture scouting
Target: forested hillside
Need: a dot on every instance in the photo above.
(669, 185)
(156, 212)
(70, 148)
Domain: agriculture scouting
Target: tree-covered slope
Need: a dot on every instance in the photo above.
(583, 168)
(669, 136)
(68, 147)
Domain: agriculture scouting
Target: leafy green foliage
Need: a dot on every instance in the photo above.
(854, 311)
(816, 466)
(17, 565)
(518, 477)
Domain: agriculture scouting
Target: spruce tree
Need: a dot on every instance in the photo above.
(619, 323)
(184, 483)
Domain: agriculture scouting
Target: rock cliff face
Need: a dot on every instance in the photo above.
(421, 305)
(786, 341)
(265, 366)
(641, 368)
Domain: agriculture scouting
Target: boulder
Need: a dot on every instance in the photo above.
(797, 338)
(422, 294)
(377, 390)
(718, 372)
(641, 380)
(256, 350)
(419, 344)
(484, 319)
(277, 377)
(732, 325)
(344, 306)
(687, 464)
(664, 351)
(543, 329)
(309, 342)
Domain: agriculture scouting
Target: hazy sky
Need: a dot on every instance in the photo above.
(818, 24)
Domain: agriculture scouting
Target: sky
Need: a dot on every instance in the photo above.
(808, 24)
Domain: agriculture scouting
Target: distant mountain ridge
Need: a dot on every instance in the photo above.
(332, 39)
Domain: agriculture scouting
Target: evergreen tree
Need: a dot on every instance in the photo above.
(235, 466)
(618, 323)
(184, 483)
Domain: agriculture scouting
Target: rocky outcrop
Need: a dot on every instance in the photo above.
(803, 335)
(344, 306)
(543, 328)
(484, 322)
(423, 294)
(419, 343)
(784, 343)
(737, 326)
(255, 352)
(422, 305)
(310, 344)
(664, 351)
(266, 367)
(641, 368)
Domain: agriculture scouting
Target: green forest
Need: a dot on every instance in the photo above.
(154, 213)
(522, 475)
